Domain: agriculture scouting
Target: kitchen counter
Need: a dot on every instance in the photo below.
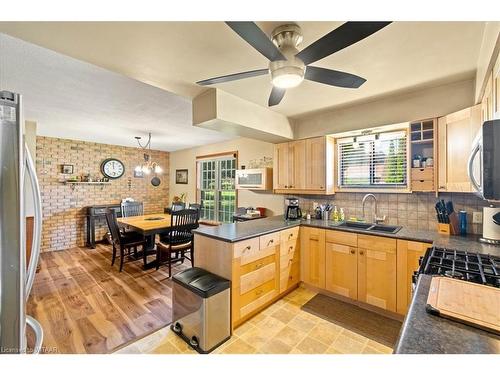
(423, 333)
(241, 231)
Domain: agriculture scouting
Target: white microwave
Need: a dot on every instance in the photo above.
(254, 179)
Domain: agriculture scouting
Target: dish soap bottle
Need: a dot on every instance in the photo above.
(342, 215)
(335, 214)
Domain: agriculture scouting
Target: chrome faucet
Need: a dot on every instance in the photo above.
(376, 219)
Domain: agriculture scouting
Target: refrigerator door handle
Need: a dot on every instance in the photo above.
(37, 329)
(37, 230)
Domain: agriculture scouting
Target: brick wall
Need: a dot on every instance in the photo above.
(64, 208)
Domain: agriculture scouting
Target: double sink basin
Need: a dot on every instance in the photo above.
(369, 227)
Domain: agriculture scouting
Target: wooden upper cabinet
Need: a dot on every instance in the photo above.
(456, 132)
(315, 163)
(281, 167)
(297, 165)
(312, 245)
(304, 166)
(496, 90)
(377, 271)
(487, 101)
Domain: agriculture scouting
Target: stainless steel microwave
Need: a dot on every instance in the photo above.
(254, 179)
(484, 161)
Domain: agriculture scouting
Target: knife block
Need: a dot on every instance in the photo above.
(444, 229)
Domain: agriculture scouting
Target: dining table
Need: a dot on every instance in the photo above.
(149, 225)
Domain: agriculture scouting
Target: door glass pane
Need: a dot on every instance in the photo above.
(217, 189)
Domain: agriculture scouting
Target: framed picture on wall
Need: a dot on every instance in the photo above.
(67, 169)
(138, 174)
(181, 176)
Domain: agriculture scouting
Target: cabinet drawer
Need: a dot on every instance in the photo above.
(269, 240)
(254, 294)
(422, 185)
(258, 302)
(289, 234)
(260, 276)
(246, 248)
(287, 259)
(342, 238)
(289, 277)
(377, 243)
(257, 264)
(422, 173)
(288, 247)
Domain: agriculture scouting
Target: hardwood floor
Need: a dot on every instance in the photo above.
(86, 306)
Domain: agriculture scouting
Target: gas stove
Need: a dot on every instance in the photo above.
(469, 266)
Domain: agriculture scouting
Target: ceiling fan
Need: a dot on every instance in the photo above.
(289, 67)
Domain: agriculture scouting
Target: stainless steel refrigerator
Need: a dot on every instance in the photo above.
(16, 277)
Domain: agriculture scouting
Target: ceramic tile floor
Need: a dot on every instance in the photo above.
(280, 329)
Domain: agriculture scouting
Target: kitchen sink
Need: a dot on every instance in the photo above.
(384, 228)
(370, 227)
(356, 225)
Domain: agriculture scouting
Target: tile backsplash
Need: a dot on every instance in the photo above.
(415, 211)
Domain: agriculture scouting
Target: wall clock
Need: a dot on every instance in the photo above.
(112, 168)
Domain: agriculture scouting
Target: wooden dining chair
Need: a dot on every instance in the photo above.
(178, 240)
(125, 241)
(132, 209)
(195, 206)
(176, 206)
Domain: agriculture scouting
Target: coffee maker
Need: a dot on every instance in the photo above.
(292, 209)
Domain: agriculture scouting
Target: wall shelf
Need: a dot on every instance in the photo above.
(73, 184)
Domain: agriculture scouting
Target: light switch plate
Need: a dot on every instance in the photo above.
(477, 217)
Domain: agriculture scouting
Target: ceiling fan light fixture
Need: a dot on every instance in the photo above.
(287, 77)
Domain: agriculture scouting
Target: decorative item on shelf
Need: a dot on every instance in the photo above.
(179, 198)
(67, 169)
(181, 176)
(138, 173)
(148, 166)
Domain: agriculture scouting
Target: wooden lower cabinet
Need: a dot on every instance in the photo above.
(408, 255)
(312, 243)
(377, 271)
(342, 270)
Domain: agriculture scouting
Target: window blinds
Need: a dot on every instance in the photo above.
(377, 160)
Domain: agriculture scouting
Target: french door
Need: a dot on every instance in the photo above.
(217, 193)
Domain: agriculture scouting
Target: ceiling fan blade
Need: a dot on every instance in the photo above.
(343, 36)
(233, 77)
(254, 36)
(276, 95)
(333, 77)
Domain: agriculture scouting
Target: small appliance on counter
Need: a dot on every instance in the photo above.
(491, 225)
(292, 209)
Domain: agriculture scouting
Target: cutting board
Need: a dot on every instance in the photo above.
(470, 303)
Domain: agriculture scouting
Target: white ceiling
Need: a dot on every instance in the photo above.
(72, 99)
(174, 55)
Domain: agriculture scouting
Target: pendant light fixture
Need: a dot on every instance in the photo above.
(148, 166)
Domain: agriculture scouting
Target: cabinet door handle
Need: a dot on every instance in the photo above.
(286, 187)
(257, 266)
(258, 292)
(247, 248)
(361, 252)
(270, 242)
(290, 235)
(290, 249)
(352, 251)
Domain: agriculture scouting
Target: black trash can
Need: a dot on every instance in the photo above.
(201, 309)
